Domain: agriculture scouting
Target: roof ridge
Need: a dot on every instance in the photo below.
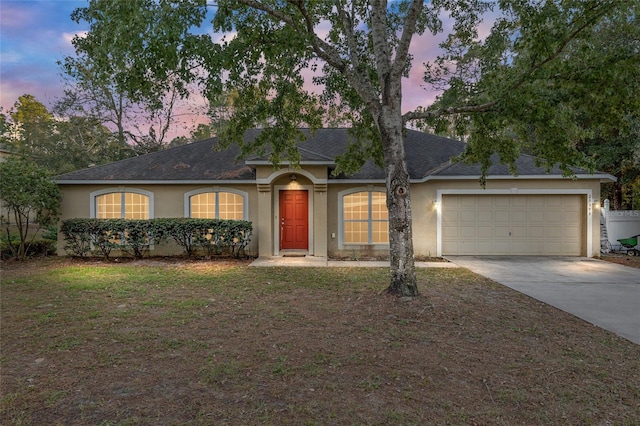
(314, 153)
(440, 168)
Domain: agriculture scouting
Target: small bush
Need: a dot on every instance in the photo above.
(50, 233)
(76, 236)
(8, 249)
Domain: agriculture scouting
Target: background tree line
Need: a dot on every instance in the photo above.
(70, 138)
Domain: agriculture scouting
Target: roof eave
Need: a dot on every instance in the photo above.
(603, 177)
(154, 182)
(289, 163)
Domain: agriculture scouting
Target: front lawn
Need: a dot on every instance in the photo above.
(198, 343)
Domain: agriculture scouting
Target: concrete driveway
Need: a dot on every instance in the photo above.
(603, 293)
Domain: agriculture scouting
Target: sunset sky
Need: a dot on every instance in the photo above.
(35, 34)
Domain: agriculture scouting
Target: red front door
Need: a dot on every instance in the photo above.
(294, 220)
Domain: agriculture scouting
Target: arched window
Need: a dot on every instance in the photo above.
(122, 204)
(365, 219)
(217, 204)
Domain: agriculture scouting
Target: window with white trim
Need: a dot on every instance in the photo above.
(365, 219)
(122, 205)
(217, 205)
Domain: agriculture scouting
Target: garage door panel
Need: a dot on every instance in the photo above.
(449, 232)
(484, 245)
(467, 216)
(513, 224)
(450, 247)
(554, 248)
(485, 216)
(519, 232)
(465, 202)
(570, 232)
(485, 231)
(553, 231)
(502, 216)
(501, 231)
(499, 201)
(535, 216)
(535, 202)
(501, 247)
(535, 231)
(554, 216)
(519, 217)
(466, 246)
(519, 246)
(536, 247)
(466, 232)
(450, 216)
(567, 246)
(555, 202)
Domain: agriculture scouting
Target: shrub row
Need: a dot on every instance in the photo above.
(134, 237)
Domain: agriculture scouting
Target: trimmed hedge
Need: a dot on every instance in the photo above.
(133, 237)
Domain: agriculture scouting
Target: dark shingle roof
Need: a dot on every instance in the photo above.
(525, 164)
(192, 162)
(426, 155)
(424, 151)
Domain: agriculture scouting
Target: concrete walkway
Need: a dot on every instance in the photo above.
(602, 293)
(319, 262)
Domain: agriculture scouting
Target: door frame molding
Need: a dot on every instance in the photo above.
(276, 214)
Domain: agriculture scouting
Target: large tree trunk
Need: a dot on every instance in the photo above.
(617, 195)
(403, 271)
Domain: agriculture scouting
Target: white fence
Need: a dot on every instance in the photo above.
(619, 224)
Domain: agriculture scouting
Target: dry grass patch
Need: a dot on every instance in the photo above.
(220, 343)
(623, 259)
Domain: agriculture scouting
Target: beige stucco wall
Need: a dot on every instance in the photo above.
(424, 222)
(425, 211)
(168, 201)
(324, 207)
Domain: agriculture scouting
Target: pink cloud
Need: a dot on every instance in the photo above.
(15, 17)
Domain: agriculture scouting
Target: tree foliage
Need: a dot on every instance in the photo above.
(95, 77)
(518, 87)
(31, 128)
(29, 197)
(84, 142)
(550, 79)
(55, 144)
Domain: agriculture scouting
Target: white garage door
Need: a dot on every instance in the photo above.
(513, 224)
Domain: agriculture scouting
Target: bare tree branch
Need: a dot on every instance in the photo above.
(354, 73)
(409, 29)
(426, 114)
(380, 42)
